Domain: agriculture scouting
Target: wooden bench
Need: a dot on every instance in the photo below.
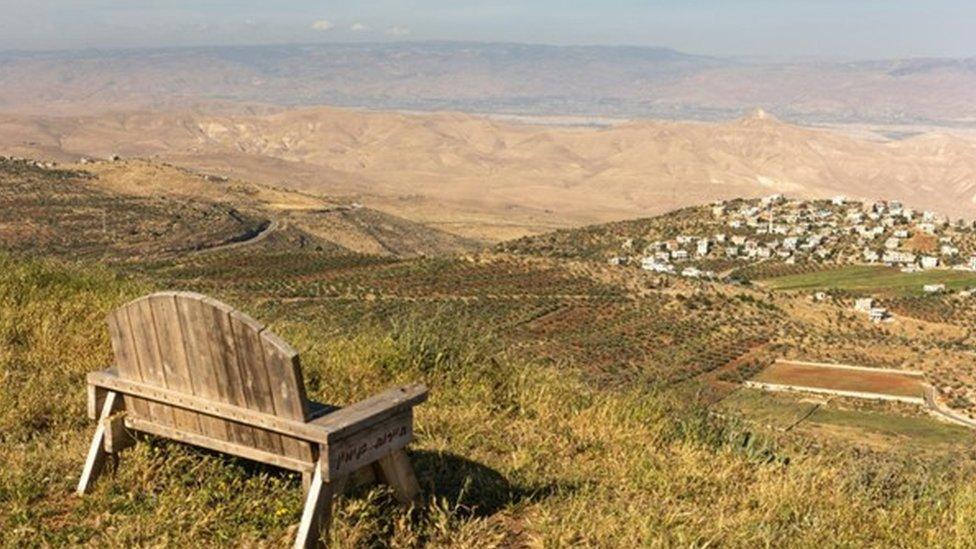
(192, 369)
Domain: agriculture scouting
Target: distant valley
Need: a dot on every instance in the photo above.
(492, 180)
(524, 79)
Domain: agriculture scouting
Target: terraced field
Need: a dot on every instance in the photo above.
(56, 212)
(542, 308)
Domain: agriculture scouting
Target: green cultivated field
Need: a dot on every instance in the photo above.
(871, 279)
(882, 423)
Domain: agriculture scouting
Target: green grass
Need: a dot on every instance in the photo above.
(898, 430)
(510, 452)
(870, 279)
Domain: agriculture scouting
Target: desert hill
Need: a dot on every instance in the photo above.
(136, 209)
(494, 180)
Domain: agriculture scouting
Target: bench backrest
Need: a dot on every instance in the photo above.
(197, 345)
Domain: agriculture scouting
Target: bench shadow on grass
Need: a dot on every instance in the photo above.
(472, 488)
(479, 490)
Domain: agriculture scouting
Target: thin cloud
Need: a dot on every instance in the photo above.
(322, 25)
(398, 31)
(358, 27)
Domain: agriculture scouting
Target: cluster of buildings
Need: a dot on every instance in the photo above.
(35, 163)
(790, 231)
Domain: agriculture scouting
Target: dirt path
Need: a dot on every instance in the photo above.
(939, 409)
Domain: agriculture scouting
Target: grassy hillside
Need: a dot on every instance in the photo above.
(511, 451)
(572, 403)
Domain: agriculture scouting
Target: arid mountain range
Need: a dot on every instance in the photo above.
(491, 180)
(870, 130)
(622, 82)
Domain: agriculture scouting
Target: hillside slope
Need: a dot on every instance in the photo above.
(519, 443)
(138, 208)
(493, 180)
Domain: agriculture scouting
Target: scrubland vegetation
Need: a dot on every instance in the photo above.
(511, 451)
(572, 403)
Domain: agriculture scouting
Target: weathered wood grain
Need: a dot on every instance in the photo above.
(95, 461)
(143, 334)
(125, 357)
(365, 446)
(172, 354)
(398, 473)
(312, 431)
(194, 318)
(195, 370)
(317, 515)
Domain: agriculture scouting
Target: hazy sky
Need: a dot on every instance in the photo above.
(817, 28)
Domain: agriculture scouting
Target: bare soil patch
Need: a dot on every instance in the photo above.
(841, 379)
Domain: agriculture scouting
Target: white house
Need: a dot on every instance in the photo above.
(878, 314)
(892, 256)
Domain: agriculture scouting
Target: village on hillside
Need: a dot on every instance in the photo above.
(792, 231)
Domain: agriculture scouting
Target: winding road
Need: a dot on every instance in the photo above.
(273, 225)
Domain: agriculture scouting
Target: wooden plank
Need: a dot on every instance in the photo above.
(398, 473)
(348, 454)
(312, 431)
(283, 364)
(117, 438)
(287, 388)
(257, 387)
(172, 351)
(95, 461)
(371, 410)
(317, 514)
(143, 335)
(220, 445)
(125, 358)
(225, 350)
(96, 398)
(194, 317)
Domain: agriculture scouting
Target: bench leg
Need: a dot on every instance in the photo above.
(397, 471)
(97, 454)
(317, 515)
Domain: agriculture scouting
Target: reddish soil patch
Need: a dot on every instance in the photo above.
(841, 379)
